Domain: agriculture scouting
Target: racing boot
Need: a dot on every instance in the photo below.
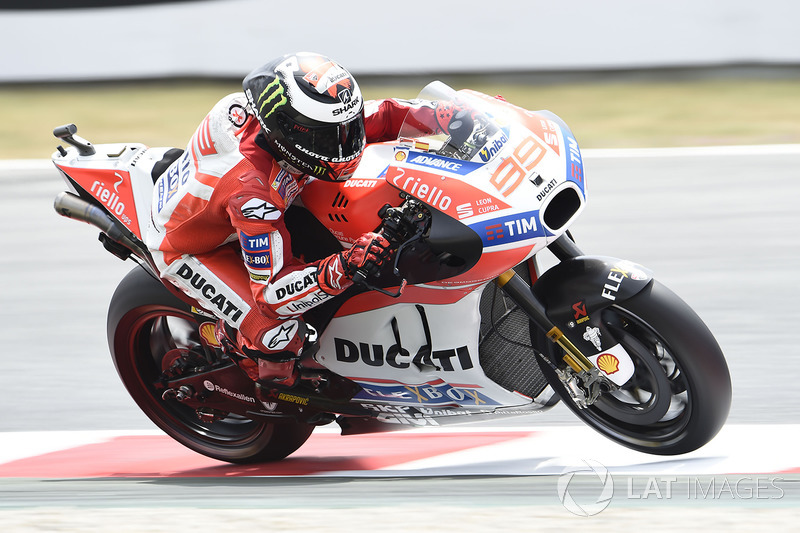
(227, 338)
(269, 369)
(280, 368)
(276, 370)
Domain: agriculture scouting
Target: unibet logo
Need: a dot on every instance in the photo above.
(491, 150)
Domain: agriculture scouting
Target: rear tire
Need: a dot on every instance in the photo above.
(145, 321)
(680, 394)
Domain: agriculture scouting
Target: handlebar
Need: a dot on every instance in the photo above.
(401, 226)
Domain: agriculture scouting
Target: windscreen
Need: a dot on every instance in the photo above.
(467, 130)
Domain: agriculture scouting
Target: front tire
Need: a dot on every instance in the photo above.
(680, 394)
(146, 322)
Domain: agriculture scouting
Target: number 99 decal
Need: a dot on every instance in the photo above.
(513, 170)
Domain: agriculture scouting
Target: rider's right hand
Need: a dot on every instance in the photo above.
(367, 254)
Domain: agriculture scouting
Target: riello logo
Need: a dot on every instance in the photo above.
(112, 189)
(108, 197)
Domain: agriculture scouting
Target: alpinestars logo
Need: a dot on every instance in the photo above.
(273, 94)
(335, 275)
(281, 336)
(257, 208)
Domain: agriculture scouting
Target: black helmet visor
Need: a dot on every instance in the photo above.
(329, 142)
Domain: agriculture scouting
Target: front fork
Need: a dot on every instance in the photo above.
(582, 379)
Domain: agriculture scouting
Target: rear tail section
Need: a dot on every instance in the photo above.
(110, 187)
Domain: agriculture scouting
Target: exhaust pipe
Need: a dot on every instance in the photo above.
(72, 206)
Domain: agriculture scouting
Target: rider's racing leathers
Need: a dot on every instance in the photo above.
(217, 230)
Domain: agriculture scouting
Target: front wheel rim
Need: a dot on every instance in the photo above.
(663, 413)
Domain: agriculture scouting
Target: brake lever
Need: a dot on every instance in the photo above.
(360, 278)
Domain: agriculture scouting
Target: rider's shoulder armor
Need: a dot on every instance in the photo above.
(224, 123)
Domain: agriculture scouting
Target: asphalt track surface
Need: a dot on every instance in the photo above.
(718, 226)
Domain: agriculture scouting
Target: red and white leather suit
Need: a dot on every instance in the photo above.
(218, 232)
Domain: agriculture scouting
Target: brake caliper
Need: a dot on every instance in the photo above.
(585, 387)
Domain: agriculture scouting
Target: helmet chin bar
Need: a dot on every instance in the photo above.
(284, 159)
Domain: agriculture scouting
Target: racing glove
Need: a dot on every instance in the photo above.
(444, 112)
(335, 273)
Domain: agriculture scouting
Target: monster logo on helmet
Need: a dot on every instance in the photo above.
(273, 95)
(312, 114)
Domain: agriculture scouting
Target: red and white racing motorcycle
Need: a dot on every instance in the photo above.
(478, 330)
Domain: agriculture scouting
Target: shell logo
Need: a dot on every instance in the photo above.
(399, 155)
(207, 332)
(608, 363)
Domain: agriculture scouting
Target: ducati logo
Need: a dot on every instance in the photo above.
(225, 300)
(449, 360)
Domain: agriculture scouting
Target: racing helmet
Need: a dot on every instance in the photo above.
(312, 114)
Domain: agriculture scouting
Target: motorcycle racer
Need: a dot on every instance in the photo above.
(217, 229)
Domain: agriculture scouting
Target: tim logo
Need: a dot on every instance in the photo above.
(510, 228)
(495, 231)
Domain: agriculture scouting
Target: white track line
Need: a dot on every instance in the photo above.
(551, 450)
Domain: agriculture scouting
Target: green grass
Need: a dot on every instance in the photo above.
(601, 115)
